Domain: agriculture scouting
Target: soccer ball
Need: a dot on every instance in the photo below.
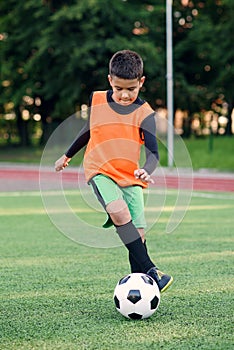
(136, 296)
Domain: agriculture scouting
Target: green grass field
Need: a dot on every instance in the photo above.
(57, 294)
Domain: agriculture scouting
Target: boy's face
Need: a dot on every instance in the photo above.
(125, 91)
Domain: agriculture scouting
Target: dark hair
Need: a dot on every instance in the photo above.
(126, 64)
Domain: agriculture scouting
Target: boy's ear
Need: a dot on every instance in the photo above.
(109, 78)
(142, 80)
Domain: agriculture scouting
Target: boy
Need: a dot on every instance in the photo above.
(119, 123)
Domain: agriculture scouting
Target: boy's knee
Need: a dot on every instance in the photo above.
(119, 212)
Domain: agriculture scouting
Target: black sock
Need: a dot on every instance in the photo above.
(135, 267)
(133, 242)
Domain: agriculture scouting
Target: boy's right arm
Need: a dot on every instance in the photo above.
(62, 163)
(81, 140)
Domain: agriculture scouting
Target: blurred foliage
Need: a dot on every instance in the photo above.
(54, 53)
(204, 56)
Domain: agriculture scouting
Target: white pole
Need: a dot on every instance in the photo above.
(170, 111)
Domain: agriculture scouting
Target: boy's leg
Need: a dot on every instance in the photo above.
(120, 215)
(135, 267)
(131, 238)
(134, 198)
(111, 197)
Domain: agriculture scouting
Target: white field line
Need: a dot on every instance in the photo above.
(211, 195)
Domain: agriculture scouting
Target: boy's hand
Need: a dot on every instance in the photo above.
(62, 163)
(143, 176)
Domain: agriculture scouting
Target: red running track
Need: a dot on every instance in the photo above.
(19, 178)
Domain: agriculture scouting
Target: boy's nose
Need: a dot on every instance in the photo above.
(124, 94)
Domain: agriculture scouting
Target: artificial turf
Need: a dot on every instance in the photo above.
(57, 294)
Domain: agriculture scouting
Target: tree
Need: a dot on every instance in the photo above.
(55, 52)
(204, 55)
(21, 25)
(67, 46)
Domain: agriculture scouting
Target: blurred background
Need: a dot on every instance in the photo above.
(54, 53)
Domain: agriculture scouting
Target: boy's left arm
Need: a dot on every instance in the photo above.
(148, 129)
(143, 175)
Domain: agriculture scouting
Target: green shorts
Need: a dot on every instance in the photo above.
(108, 191)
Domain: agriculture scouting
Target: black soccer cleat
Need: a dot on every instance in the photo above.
(163, 281)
